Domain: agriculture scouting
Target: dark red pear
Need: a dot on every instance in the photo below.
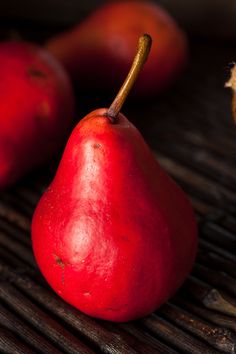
(36, 108)
(113, 234)
(98, 51)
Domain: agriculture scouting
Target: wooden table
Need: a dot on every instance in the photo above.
(191, 132)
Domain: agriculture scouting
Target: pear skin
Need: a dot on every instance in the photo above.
(36, 108)
(113, 235)
(98, 51)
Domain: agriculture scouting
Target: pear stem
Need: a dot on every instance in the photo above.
(144, 46)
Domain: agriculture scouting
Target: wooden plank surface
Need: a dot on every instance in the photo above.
(192, 134)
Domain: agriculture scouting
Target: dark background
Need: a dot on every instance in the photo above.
(208, 18)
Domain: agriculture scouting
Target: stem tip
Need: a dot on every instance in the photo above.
(144, 46)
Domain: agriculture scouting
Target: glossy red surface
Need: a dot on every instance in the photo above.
(100, 50)
(113, 234)
(36, 108)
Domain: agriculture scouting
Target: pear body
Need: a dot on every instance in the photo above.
(113, 234)
(36, 108)
(101, 48)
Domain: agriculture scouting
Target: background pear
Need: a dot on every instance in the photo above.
(99, 51)
(113, 234)
(36, 108)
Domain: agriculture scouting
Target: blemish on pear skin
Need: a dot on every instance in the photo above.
(97, 146)
(59, 261)
(61, 264)
(34, 72)
(44, 109)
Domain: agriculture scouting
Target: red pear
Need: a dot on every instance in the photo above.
(113, 234)
(100, 49)
(36, 108)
